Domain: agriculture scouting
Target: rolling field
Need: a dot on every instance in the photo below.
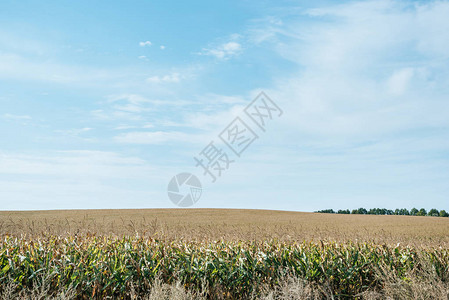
(221, 254)
(229, 224)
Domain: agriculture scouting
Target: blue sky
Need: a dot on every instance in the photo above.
(102, 103)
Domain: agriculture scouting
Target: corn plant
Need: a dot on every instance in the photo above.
(97, 267)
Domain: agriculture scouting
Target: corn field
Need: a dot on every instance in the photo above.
(99, 267)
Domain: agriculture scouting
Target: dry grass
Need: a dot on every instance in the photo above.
(228, 224)
(422, 287)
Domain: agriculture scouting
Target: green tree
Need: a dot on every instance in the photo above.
(355, 211)
(422, 212)
(443, 213)
(362, 211)
(405, 212)
(413, 211)
(434, 212)
(326, 211)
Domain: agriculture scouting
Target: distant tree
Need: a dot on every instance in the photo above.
(422, 212)
(383, 211)
(327, 211)
(405, 212)
(362, 211)
(434, 212)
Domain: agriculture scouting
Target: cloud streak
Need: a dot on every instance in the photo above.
(145, 44)
(224, 51)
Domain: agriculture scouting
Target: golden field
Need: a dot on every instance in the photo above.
(230, 224)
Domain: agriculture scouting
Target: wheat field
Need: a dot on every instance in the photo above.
(230, 224)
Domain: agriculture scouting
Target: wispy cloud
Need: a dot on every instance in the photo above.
(16, 117)
(23, 59)
(123, 107)
(79, 179)
(145, 44)
(19, 44)
(399, 81)
(156, 137)
(74, 132)
(24, 120)
(223, 51)
(378, 62)
(21, 68)
(174, 77)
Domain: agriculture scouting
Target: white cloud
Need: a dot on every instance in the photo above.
(21, 44)
(162, 47)
(123, 107)
(134, 110)
(18, 67)
(82, 163)
(143, 57)
(173, 78)
(265, 29)
(130, 98)
(146, 43)
(74, 132)
(130, 107)
(212, 121)
(399, 81)
(16, 117)
(215, 99)
(124, 127)
(224, 51)
(365, 71)
(155, 137)
(80, 179)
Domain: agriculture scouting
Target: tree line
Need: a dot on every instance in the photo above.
(383, 211)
